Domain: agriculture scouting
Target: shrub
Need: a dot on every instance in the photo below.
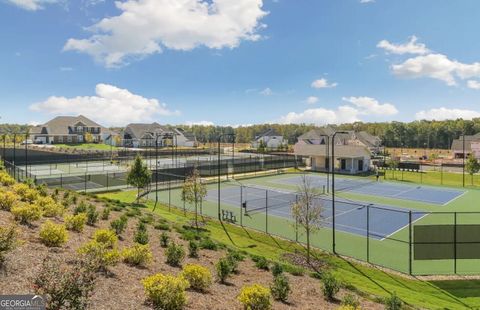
(106, 213)
(175, 254)
(100, 255)
(66, 287)
(137, 255)
(197, 276)
(165, 291)
(106, 237)
(133, 212)
(233, 261)
(331, 286)
(141, 235)
(49, 207)
(42, 189)
(26, 213)
(280, 288)
(7, 200)
(277, 269)
(224, 269)
(393, 302)
(164, 239)
(119, 225)
(6, 179)
(162, 226)
(8, 241)
(53, 235)
(25, 192)
(255, 297)
(75, 222)
(80, 208)
(192, 249)
(92, 215)
(208, 244)
(351, 301)
(294, 270)
(260, 262)
(147, 219)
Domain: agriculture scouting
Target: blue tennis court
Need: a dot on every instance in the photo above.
(350, 217)
(426, 194)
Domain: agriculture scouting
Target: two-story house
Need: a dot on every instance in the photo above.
(144, 135)
(270, 138)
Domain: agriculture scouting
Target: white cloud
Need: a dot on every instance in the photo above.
(436, 66)
(323, 83)
(440, 114)
(65, 69)
(321, 116)
(311, 100)
(473, 84)
(31, 5)
(146, 27)
(367, 1)
(266, 92)
(110, 106)
(411, 47)
(199, 123)
(371, 106)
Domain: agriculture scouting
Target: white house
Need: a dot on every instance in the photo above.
(470, 142)
(144, 135)
(352, 154)
(270, 138)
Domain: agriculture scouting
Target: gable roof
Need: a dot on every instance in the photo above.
(60, 125)
(268, 133)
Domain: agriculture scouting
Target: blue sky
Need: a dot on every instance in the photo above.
(239, 62)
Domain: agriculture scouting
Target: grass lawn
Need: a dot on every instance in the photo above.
(87, 146)
(364, 278)
(437, 177)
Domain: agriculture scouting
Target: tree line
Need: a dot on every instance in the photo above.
(417, 134)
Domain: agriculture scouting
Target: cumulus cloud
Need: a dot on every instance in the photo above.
(110, 106)
(321, 116)
(371, 106)
(473, 84)
(31, 5)
(437, 66)
(311, 100)
(367, 1)
(146, 27)
(441, 114)
(411, 47)
(266, 92)
(199, 123)
(323, 83)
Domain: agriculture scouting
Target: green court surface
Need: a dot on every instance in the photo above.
(393, 249)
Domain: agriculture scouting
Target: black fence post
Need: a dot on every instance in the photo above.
(85, 183)
(61, 180)
(455, 242)
(296, 220)
(266, 211)
(107, 180)
(410, 242)
(241, 205)
(368, 233)
(169, 196)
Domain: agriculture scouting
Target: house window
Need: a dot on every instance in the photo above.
(69, 139)
(60, 139)
(360, 165)
(79, 129)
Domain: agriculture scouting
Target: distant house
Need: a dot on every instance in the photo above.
(353, 150)
(144, 135)
(270, 138)
(457, 146)
(68, 129)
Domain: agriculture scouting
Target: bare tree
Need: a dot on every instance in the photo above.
(194, 191)
(307, 210)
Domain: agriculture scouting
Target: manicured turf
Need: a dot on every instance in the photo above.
(87, 146)
(368, 280)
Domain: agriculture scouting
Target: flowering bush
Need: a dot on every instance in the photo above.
(7, 200)
(137, 255)
(100, 255)
(165, 291)
(199, 277)
(255, 297)
(53, 235)
(106, 236)
(49, 207)
(76, 222)
(26, 213)
(6, 179)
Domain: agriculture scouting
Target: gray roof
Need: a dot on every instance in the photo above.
(362, 136)
(61, 125)
(268, 133)
(457, 144)
(139, 130)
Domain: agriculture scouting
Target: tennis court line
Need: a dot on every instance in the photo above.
(345, 212)
(453, 199)
(401, 228)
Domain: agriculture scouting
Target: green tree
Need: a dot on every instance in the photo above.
(308, 210)
(194, 191)
(262, 147)
(139, 175)
(472, 166)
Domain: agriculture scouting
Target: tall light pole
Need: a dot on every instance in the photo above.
(26, 155)
(328, 160)
(463, 159)
(14, 155)
(218, 169)
(333, 188)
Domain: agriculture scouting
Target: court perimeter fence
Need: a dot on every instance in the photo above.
(104, 180)
(422, 243)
